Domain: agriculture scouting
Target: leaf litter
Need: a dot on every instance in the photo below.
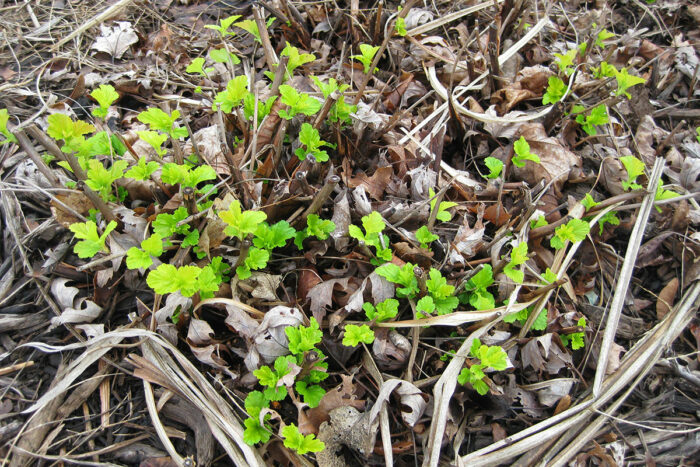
(514, 175)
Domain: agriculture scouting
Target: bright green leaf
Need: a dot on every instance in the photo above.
(356, 334)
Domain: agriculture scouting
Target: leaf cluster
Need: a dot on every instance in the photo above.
(309, 137)
(90, 241)
(518, 256)
(315, 227)
(374, 225)
(440, 297)
(575, 340)
(383, 311)
(366, 56)
(476, 287)
(575, 231)
(489, 357)
(158, 120)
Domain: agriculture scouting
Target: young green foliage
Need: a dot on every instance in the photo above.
(72, 133)
(597, 117)
(312, 393)
(495, 167)
(196, 66)
(355, 334)
(539, 222)
(403, 276)
(479, 297)
(101, 179)
(300, 443)
(141, 258)
(400, 27)
(165, 224)
(233, 95)
(224, 56)
(626, 81)
(384, 311)
(186, 175)
(605, 70)
(224, 25)
(340, 111)
(662, 194)
(425, 236)
(273, 379)
(634, 168)
(575, 340)
(298, 102)
(374, 226)
(603, 36)
(316, 227)
(90, 241)
(105, 96)
(155, 140)
(425, 307)
(269, 237)
(158, 120)
(575, 231)
(241, 223)
(264, 108)
(517, 257)
(565, 62)
(9, 137)
(254, 432)
(489, 357)
(556, 89)
(252, 27)
(441, 292)
(188, 280)
(256, 259)
(309, 137)
(367, 53)
(296, 59)
(522, 153)
(521, 316)
(442, 214)
(304, 338)
(142, 170)
(609, 217)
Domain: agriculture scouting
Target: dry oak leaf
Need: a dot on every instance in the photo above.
(374, 185)
(541, 353)
(556, 162)
(115, 40)
(345, 394)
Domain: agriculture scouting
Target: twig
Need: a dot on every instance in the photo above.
(270, 56)
(626, 271)
(321, 197)
(27, 146)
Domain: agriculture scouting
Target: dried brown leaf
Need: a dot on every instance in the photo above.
(556, 162)
(666, 298)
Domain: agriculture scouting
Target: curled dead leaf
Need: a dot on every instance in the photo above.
(390, 349)
(666, 298)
